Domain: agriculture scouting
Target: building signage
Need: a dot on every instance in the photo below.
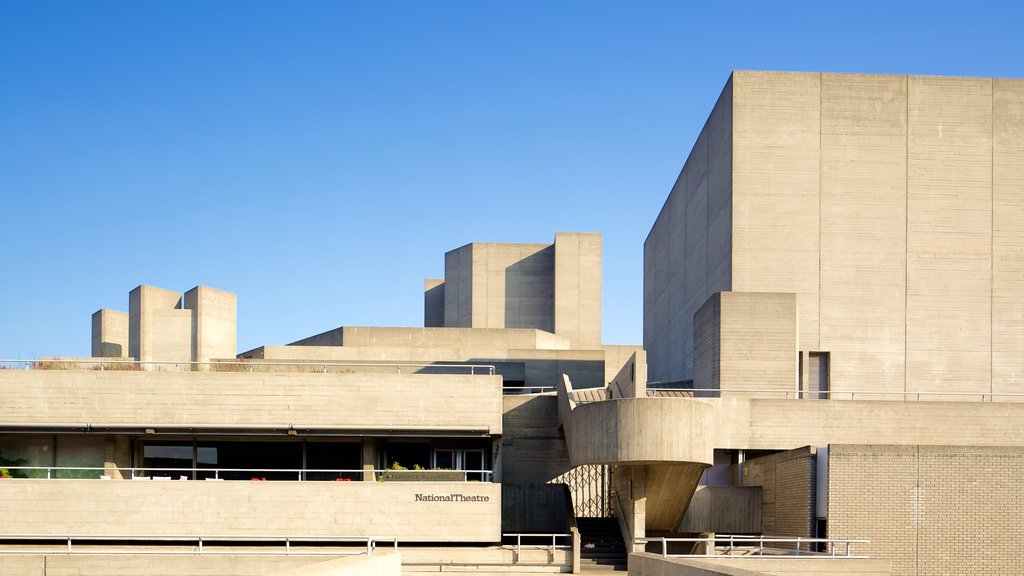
(451, 498)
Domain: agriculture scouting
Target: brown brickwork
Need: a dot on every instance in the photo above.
(931, 509)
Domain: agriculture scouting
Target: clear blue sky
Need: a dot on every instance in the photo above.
(318, 158)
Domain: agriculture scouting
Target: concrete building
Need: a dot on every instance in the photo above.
(841, 266)
(834, 334)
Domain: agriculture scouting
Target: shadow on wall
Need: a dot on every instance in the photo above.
(548, 372)
(530, 292)
(533, 450)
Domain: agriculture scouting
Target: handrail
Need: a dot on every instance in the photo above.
(200, 539)
(525, 390)
(755, 546)
(485, 369)
(553, 546)
(833, 394)
(300, 473)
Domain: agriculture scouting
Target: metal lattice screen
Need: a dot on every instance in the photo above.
(590, 487)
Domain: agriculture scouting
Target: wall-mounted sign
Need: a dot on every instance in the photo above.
(451, 498)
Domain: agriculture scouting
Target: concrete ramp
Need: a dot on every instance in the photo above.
(659, 447)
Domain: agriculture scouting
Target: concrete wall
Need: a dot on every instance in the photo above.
(270, 400)
(433, 303)
(762, 424)
(158, 329)
(127, 564)
(787, 482)
(775, 189)
(382, 562)
(213, 323)
(631, 380)
(500, 286)
(639, 430)
(1007, 239)
(724, 510)
(577, 288)
(649, 564)
(432, 338)
(383, 509)
(889, 205)
(532, 448)
(688, 253)
(109, 334)
(930, 509)
(746, 341)
(536, 367)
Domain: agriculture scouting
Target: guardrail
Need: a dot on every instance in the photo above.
(103, 364)
(300, 475)
(720, 546)
(839, 394)
(552, 546)
(512, 390)
(200, 540)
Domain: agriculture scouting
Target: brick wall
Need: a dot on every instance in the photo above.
(931, 509)
(787, 491)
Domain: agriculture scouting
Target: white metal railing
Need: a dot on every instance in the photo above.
(202, 473)
(371, 543)
(719, 546)
(551, 545)
(102, 364)
(527, 389)
(841, 394)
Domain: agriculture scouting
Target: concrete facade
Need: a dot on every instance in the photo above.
(164, 326)
(109, 334)
(889, 206)
(551, 287)
(839, 265)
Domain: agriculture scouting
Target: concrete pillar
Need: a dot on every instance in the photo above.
(369, 459)
(213, 329)
(116, 455)
(158, 329)
(631, 486)
(578, 288)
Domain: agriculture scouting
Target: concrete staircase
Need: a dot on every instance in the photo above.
(602, 549)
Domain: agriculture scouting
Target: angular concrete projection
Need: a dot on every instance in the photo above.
(660, 447)
(213, 323)
(433, 303)
(551, 287)
(746, 341)
(578, 288)
(109, 334)
(158, 329)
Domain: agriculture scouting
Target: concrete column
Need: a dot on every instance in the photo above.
(369, 459)
(631, 487)
(158, 329)
(116, 455)
(578, 288)
(213, 323)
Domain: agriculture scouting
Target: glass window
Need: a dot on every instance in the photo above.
(334, 456)
(246, 460)
(80, 451)
(173, 454)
